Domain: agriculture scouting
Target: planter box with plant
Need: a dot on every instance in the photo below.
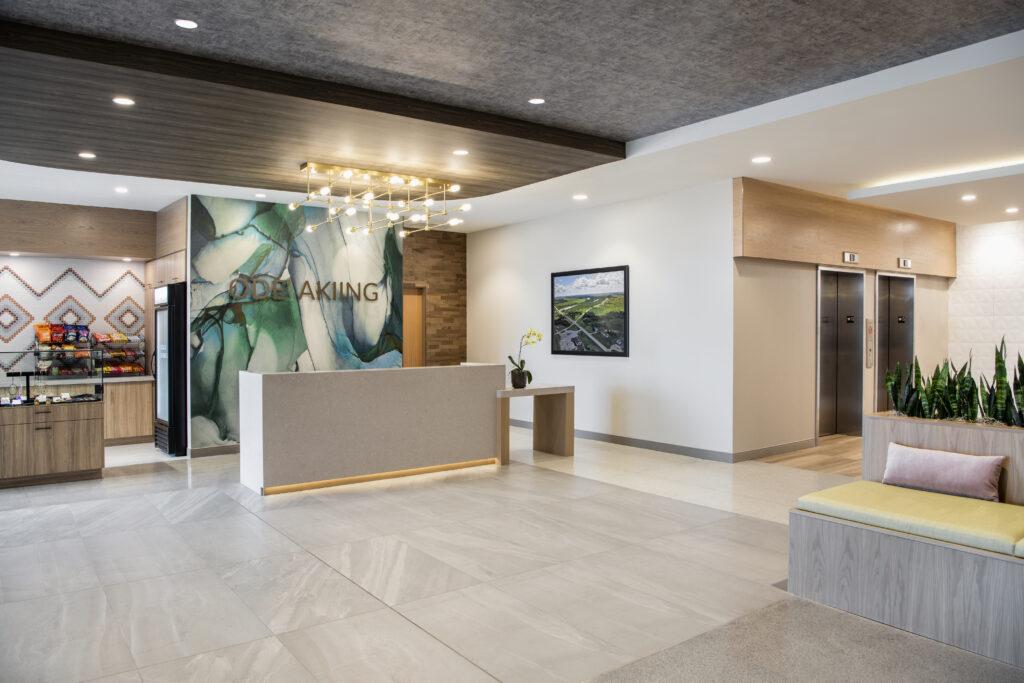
(951, 393)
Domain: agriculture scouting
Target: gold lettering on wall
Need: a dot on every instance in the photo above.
(261, 287)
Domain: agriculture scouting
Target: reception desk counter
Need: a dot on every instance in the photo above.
(301, 430)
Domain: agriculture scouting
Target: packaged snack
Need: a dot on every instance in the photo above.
(100, 338)
(43, 333)
(83, 333)
(71, 333)
(118, 337)
(57, 334)
(82, 353)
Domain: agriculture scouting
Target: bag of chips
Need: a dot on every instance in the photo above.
(43, 333)
(71, 333)
(57, 334)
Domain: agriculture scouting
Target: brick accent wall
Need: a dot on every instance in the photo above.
(438, 261)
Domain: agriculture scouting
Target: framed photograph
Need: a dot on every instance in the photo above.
(590, 312)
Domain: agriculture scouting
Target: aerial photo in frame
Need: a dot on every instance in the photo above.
(590, 312)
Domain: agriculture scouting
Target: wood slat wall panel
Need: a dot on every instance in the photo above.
(788, 224)
(188, 129)
(76, 231)
(970, 599)
(172, 227)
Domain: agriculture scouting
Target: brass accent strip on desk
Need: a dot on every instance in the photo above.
(357, 479)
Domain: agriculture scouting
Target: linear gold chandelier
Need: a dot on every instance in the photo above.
(372, 200)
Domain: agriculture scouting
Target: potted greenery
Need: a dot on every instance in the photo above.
(520, 375)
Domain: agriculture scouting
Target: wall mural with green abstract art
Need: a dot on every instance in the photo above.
(267, 295)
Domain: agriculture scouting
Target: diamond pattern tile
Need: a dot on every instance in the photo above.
(127, 317)
(13, 318)
(70, 311)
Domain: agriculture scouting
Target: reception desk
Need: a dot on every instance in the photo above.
(302, 430)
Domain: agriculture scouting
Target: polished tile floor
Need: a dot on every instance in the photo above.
(542, 571)
(134, 454)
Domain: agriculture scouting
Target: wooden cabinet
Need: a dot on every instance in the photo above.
(38, 443)
(16, 450)
(167, 269)
(128, 411)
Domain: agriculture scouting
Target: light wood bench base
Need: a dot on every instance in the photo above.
(971, 599)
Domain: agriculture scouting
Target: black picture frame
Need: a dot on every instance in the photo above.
(555, 341)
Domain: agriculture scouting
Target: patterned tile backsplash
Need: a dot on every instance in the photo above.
(105, 295)
(986, 300)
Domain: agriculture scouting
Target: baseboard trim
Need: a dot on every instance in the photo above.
(124, 441)
(207, 451)
(675, 449)
(774, 450)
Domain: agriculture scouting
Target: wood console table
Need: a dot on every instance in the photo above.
(554, 424)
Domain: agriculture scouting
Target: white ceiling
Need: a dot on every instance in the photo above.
(948, 114)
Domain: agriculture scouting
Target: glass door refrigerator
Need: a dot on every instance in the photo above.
(169, 370)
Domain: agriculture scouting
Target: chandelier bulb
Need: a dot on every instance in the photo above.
(415, 182)
(366, 231)
(292, 206)
(309, 228)
(402, 233)
(455, 188)
(350, 211)
(428, 202)
(324, 191)
(347, 174)
(465, 207)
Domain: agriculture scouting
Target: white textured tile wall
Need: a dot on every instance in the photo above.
(986, 300)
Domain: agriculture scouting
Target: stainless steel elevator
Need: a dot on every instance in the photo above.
(895, 330)
(840, 352)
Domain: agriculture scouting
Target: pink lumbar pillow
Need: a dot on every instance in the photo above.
(971, 476)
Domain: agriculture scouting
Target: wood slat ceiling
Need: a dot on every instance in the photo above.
(208, 128)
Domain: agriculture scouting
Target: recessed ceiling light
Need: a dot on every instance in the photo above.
(763, 159)
(968, 197)
(185, 23)
(260, 195)
(460, 152)
(124, 101)
(580, 196)
(15, 253)
(87, 155)
(127, 259)
(536, 100)
(120, 189)
(1012, 209)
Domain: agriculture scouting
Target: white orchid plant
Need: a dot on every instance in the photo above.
(529, 338)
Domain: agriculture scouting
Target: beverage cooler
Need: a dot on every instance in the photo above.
(169, 369)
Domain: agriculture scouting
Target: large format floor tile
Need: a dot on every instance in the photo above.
(713, 546)
(70, 637)
(316, 524)
(110, 516)
(476, 552)
(191, 505)
(512, 639)
(289, 592)
(141, 554)
(378, 646)
(392, 570)
(176, 616)
(259, 660)
(26, 526)
(34, 571)
(234, 539)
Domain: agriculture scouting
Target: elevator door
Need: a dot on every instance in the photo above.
(840, 353)
(895, 331)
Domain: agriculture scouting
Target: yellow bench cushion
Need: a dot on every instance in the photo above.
(984, 524)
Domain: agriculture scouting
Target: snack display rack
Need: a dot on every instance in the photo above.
(63, 352)
(120, 355)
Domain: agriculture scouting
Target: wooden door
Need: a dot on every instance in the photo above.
(414, 336)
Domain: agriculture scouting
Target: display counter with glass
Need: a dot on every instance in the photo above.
(51, 421)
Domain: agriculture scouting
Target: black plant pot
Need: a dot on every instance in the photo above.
(518, 379)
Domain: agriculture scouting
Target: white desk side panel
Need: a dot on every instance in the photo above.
(250, 430)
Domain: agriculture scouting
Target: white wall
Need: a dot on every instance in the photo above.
(676, 386)
(986, 301)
